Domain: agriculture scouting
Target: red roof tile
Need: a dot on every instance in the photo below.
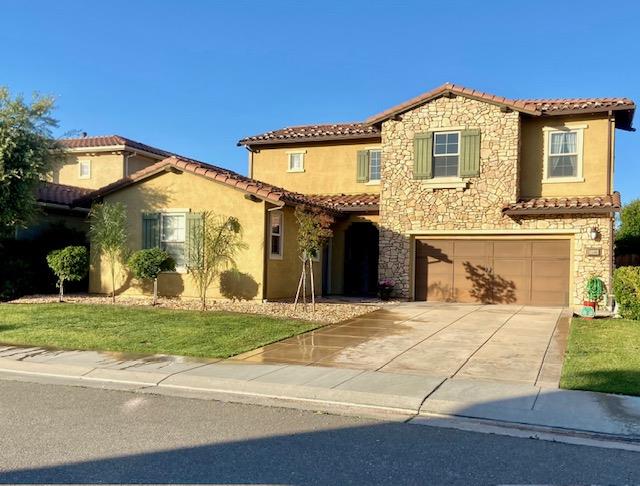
(346, 202)
(535, 107)
(563, 205)
(49, 192)
(251, 186)
(111, 141)
(336, 131)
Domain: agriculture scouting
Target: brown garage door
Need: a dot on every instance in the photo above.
(497, 271)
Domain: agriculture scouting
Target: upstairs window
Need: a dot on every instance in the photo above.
(563, 154)
(275, 235)
(173, 236)
(375, 157)
(84, 169)
(296, 161)
(446, 154)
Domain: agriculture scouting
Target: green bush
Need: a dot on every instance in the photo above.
(148, 264)
(626, 288)
(70, 263)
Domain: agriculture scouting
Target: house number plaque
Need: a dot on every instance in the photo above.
(594, 252)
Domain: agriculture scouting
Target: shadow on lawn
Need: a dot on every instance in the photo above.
(619, 381)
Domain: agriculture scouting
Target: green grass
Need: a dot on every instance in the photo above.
(141, 330)
(603, 355)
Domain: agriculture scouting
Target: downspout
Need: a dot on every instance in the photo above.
(127, 156)
(611, 152)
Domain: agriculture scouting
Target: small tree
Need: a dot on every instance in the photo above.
(213, 245)
(147, 265)
(314, 229)
(70, 263)
(108, 233)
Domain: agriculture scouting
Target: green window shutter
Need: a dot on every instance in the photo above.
(423, 156)
(150, 230)
(193, 250)
(363, 166)
(470, 153)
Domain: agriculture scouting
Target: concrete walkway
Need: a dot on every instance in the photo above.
(419, 398)
(494, 342)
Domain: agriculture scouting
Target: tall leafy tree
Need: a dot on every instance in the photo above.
(28, 153)
(628, 234)
(108, 233)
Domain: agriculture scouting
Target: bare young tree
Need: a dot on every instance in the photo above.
(214, 242)
(314, 229)
(108, 234)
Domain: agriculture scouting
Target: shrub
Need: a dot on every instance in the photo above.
(70, 263)
(147, 265)
(24, 268)
(626, 288)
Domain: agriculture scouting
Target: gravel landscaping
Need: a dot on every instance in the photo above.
(328, 311)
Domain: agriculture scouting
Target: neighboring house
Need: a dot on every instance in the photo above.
(89, 163)
(481, 198)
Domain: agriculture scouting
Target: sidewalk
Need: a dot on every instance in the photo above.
(417, 398)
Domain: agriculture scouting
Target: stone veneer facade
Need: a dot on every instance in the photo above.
(409, 207)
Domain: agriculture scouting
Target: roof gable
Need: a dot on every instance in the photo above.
(111, 141)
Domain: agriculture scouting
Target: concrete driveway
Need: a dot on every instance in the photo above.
(493, 342)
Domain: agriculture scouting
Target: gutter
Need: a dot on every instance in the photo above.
(64, 207)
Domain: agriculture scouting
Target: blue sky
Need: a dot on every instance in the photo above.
(193, 77)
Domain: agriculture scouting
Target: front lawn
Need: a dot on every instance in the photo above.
(603, 355)
(142, 330)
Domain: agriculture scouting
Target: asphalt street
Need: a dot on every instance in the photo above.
(64, 434)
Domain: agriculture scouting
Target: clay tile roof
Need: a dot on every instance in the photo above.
(346, 202)
(336, 131)
(564, 105)
(49, 192)
(563, 205)
(623, 107)
(233, 179)
(111, 141)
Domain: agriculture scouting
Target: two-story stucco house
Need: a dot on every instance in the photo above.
(459, 195)
(455, 195)
(90, 162)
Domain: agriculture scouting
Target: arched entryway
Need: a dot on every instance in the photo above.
(361, 259)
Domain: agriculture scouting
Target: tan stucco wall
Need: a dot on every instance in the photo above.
(138, 162)
(595, 157)
(105, 169)
(283, 275)
(328, 168)
(194, 193)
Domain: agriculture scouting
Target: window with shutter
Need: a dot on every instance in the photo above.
(470, 153)
(422, 148)
(363, 166)
(151, 230)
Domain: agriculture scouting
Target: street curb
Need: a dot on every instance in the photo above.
(336, 407)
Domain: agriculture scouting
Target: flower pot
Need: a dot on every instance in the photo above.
(385, 294)
(589, 304)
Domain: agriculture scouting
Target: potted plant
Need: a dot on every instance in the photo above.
(385, 288)
(594, 290)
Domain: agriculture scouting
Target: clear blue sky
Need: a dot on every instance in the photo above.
(193, 77)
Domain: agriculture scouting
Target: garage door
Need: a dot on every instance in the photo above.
(534, 272)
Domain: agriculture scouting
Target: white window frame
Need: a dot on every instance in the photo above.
(579, 130)
(433, 155)
(81, 163)
(183, 268)
(280, 254)
(301, 153)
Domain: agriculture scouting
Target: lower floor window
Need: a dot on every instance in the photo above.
(173, 236)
